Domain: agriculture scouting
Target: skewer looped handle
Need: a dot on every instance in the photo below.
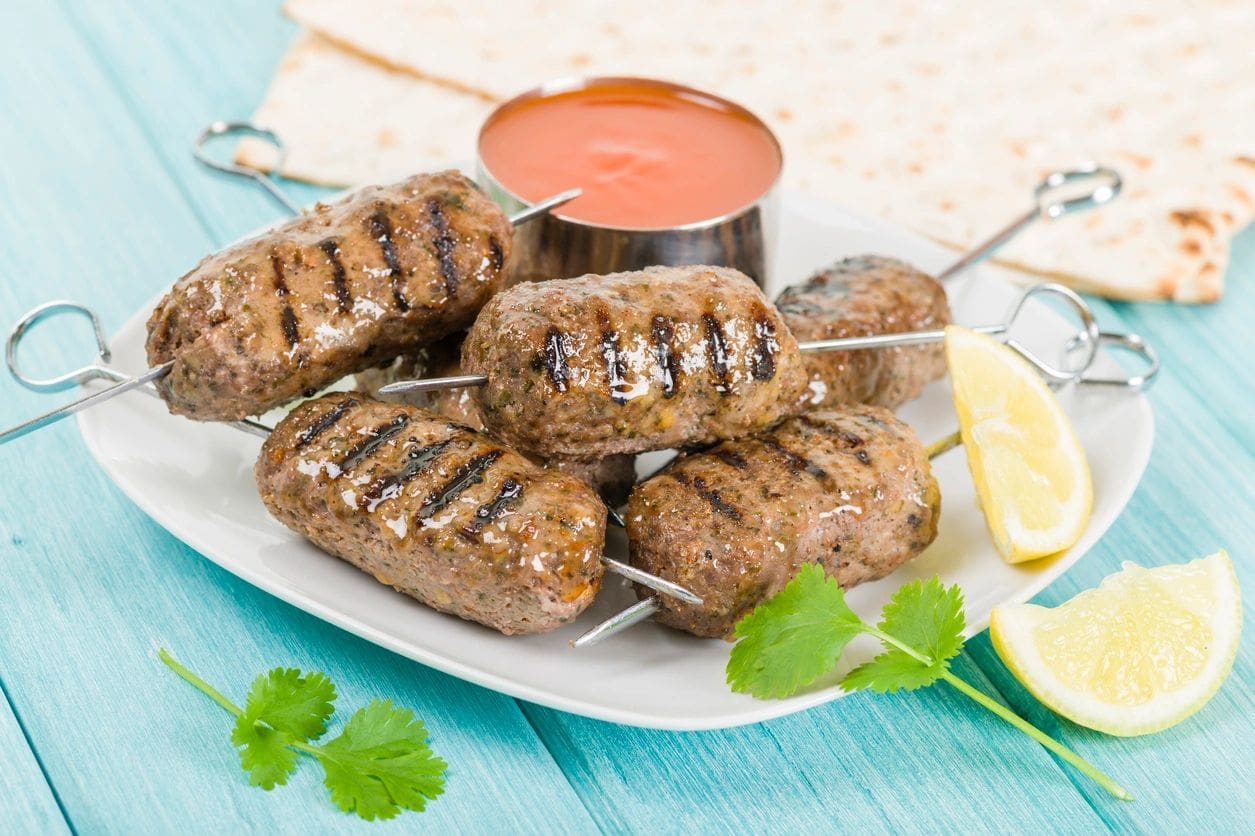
(1130, 343)
(1059, 193)
(223, 128)
(77, 377)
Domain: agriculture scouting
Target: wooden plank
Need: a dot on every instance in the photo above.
(113, 33)
(1198, 495)
(27, 804)
(90, 585)
(925, 761)
(216, 59)
(811, 772)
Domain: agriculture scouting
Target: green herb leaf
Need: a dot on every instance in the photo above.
(378, 765)
(926, 619)
(791, 640)
(381, 763)
(282, 707)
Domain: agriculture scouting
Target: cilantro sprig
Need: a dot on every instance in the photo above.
(378, 765)
(798, 635)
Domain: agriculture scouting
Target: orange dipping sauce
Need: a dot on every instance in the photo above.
(648, 155)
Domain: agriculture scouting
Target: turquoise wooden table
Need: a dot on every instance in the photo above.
(100, 201)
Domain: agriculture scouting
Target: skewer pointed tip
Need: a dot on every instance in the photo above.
(638, 612)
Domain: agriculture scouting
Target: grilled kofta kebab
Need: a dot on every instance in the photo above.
(612, 477)
(438, 511)
(850, 489)
(662, 357)
(341, 288)
(628, 362)
(860, 297)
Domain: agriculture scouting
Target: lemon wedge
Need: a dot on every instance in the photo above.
(1031, 475)
(1140, 653)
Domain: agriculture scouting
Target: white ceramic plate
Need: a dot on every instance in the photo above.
(196, 480)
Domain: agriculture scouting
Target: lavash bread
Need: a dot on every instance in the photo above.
(937, 116)
(346, 121)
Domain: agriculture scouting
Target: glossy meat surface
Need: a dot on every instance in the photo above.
(343, 287)
(663, 357)
(440, 512)
(858, 297)
(850, 489)
(612, 477)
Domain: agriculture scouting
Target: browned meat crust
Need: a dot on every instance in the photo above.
(662, 357)
(339, 289)
(442, 513)
(859, 297)
(612, 477)
(849, 489)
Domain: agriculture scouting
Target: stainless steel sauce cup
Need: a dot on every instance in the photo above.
(558, 246)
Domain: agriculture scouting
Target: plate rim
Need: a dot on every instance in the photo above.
(92, 429)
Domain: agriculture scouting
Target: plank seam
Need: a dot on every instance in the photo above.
(39, 761)
(522, 705)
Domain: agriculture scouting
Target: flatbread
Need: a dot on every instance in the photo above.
(937, 116)
(346, 121)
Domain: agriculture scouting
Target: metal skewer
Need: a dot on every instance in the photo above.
(1059, 193)
(266, 179)
(99, 371)
(645, 608)
(1088, 340)
(125, 383)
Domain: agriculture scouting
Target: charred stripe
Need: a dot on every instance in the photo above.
(324, 422)
(709, 494)
(731, 458)
(381, 230)
(668, 362)
(331, 248)
(415, 462)
(797, 463)
(717, 352)
(471, 473)
(490, 511)
(555, 358)
(615, 369)
(378, 436)
(496, 252)
(287, 317)
(765, 346)
(444, 243)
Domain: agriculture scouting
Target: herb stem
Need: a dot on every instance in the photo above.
(200, 684)
(1101, 778)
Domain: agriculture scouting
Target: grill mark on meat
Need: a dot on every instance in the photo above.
(663, 331)
(731, 458)
(797, 463)
(765, 345)
(497, 254)
(324, 422)
(287, 318)
(331, 248)
(381, 230)
(365, 448)
(615, 369)
(508, 496)
(471, 473)
(711, 495)
(416, 462)
(444, 243)
(717, 352)
(555, 358)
